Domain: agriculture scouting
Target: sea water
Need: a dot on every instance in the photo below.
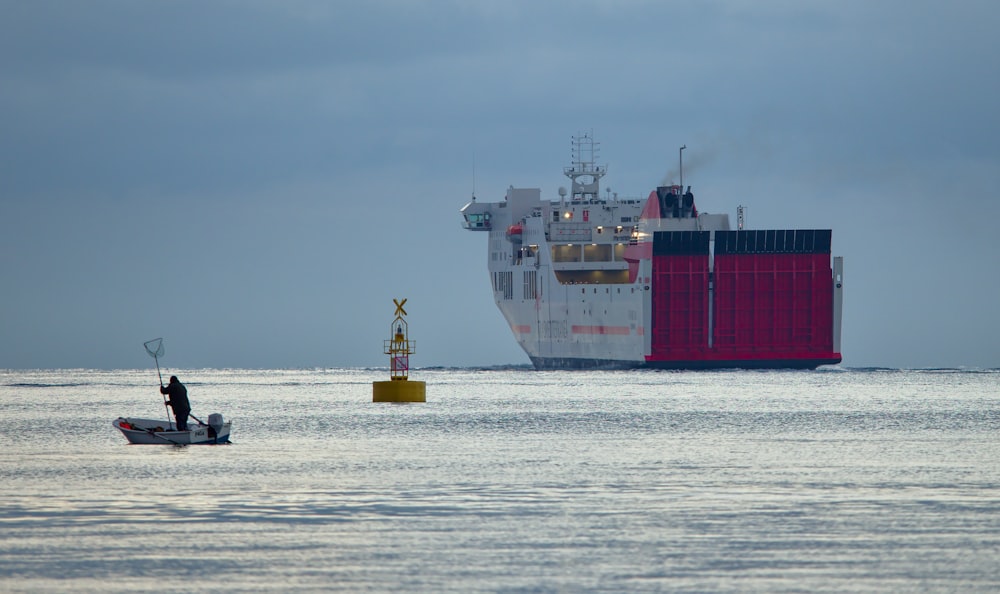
(507, 480)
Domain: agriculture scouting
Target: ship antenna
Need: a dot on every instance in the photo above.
(680, 159)
(473, 176)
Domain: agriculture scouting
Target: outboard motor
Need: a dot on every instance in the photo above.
(215, 423)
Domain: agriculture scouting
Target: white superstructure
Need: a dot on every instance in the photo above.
(568, 273)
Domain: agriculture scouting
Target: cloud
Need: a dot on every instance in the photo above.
(297, 165)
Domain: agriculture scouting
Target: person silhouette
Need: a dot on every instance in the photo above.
(178, 401)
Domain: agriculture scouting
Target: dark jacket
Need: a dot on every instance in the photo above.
(178, 396)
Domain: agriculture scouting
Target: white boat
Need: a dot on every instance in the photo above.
(159, 432)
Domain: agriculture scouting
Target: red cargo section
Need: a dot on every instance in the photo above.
(771, 300)
(773, 306)
(680, 295)
(680, 306)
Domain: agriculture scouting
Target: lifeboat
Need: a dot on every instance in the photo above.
(514, 233)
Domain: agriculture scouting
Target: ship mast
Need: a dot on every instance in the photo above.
(584, 154)
(680, 164)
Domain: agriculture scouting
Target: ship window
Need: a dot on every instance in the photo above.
(597, 252)
(565, 253)
(590, 277)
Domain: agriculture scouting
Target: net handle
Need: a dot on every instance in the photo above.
(155, 352)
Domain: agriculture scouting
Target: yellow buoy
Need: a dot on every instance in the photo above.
(399, 388)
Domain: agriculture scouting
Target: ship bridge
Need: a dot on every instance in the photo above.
(477, 216)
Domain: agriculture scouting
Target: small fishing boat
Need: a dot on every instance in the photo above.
(159, 432)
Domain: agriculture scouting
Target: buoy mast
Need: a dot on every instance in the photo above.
(399, 347)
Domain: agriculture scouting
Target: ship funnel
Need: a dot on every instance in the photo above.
(673, 204)
(687, 204)
(669, 198)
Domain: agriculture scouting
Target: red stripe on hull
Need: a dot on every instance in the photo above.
(613, 330)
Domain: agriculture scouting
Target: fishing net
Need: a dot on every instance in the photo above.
(154, 347)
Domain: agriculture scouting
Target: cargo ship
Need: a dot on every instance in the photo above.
(586, 282)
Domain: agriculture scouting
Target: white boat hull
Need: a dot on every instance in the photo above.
(158, 432)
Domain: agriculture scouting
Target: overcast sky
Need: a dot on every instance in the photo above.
(256, 181)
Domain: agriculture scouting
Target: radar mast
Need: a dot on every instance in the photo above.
(584, 173)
